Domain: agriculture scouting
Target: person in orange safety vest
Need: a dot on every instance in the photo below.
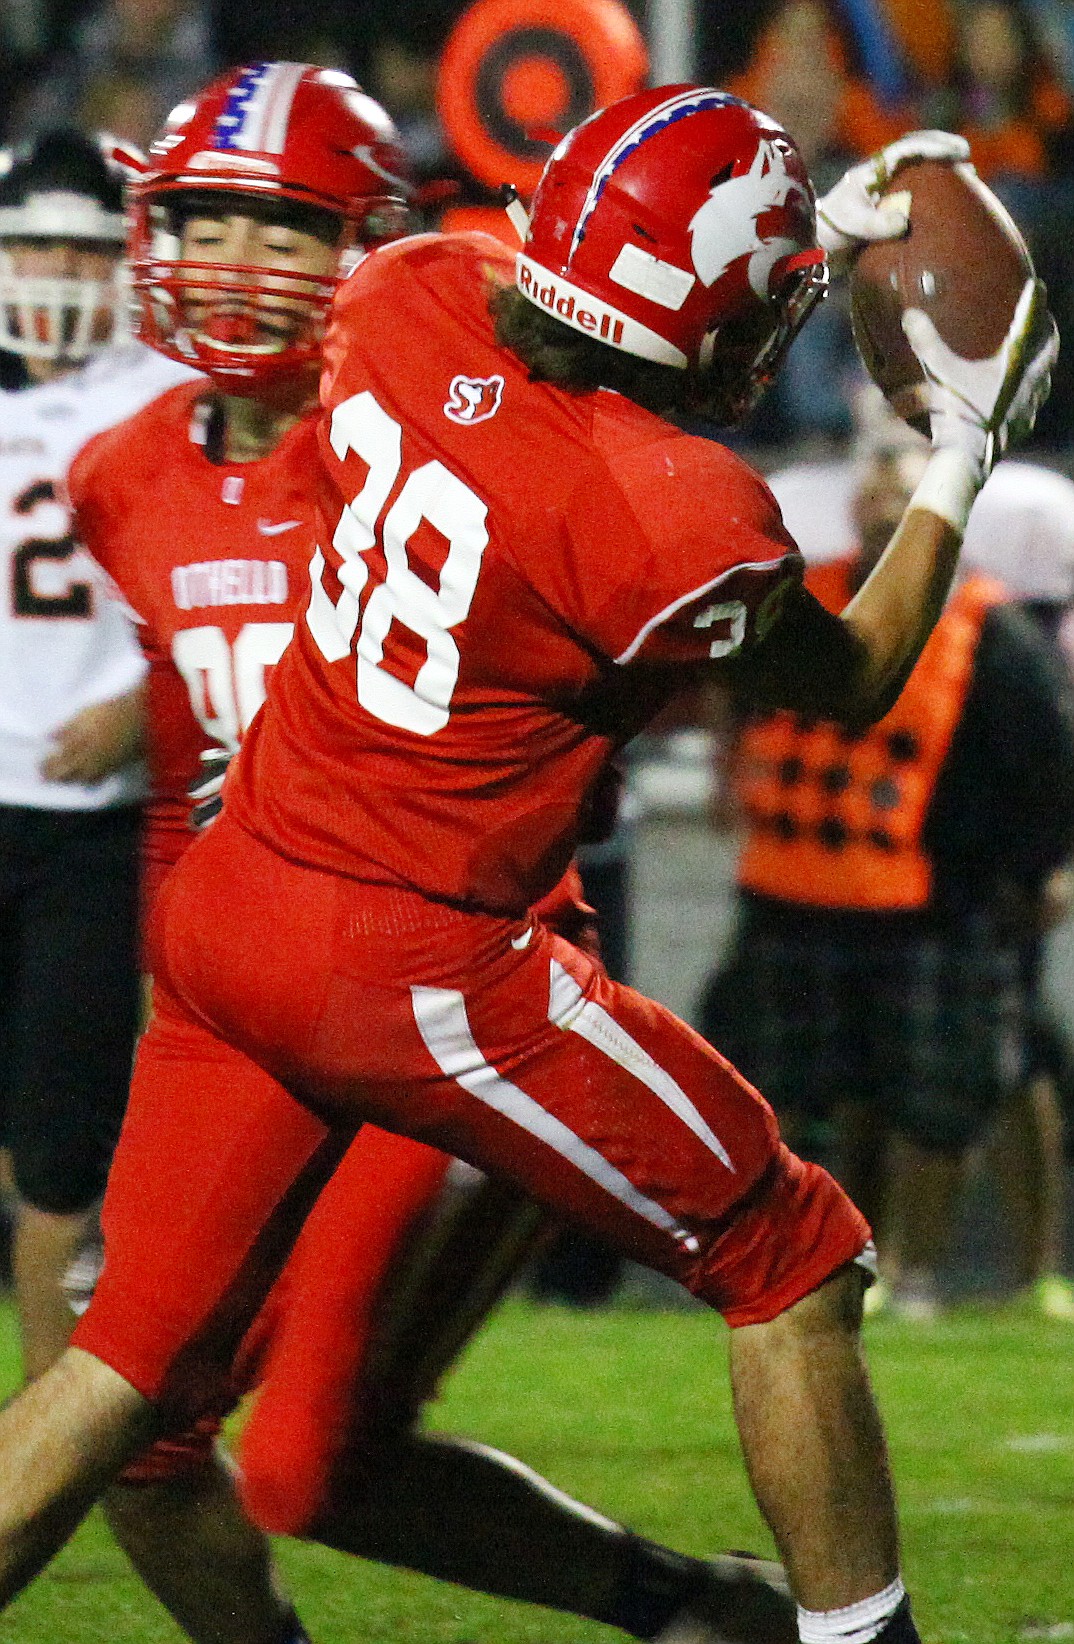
(872, 985)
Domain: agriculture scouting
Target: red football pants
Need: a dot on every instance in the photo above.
(310, 1350)
(488, 1038)
(359, 1326)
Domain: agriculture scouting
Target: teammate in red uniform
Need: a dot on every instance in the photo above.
(515, 568)
(211, 553)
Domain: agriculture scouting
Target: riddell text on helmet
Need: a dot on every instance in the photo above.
(601, 322)
(585, 312)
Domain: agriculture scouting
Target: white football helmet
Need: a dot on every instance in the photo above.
(63, 190)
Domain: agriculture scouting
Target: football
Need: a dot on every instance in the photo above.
(963, 261)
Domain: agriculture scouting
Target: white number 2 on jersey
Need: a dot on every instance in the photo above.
(227, 683)
(430, 493)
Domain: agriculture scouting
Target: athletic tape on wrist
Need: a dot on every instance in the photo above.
(949, 486)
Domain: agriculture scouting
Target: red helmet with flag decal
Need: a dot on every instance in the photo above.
(678, 225)
(286, 143)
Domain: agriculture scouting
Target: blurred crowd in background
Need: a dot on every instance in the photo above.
(844, 77)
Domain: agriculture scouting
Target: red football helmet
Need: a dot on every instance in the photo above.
(679, 225)
(273, 138)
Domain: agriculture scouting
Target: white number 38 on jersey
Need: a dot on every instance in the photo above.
(430, 493)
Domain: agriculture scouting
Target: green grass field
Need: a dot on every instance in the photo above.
(630, 1410)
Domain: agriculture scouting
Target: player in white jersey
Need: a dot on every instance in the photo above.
(70, 718)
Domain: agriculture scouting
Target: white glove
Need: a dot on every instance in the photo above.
(980, 407)
(852, 212)
(205, 792)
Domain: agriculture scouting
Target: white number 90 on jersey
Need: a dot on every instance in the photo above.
(226, 682)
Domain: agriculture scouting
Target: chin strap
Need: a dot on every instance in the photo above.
(511, 201)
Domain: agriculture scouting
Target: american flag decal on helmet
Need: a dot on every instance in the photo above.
(657, 119)
(258, 106)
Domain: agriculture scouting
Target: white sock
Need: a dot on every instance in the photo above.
(856, 1624)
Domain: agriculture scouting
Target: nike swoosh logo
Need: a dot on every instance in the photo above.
(269, 530)
(523, 941)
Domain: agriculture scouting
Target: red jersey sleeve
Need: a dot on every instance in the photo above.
(84, 491)
(688, 548)
(90, 484)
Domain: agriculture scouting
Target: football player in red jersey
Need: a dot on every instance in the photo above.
(210, 551)
(515, 567)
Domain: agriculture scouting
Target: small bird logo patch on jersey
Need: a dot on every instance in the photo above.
(473, 399)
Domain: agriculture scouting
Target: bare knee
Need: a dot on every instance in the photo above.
(93, 1402)
(836, 1304)
(62, 1440)
(834, 1308)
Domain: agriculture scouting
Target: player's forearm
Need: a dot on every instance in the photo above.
(130, 725)
(99, 740)
(897, 607)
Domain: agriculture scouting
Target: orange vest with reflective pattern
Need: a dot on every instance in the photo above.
(836, 818)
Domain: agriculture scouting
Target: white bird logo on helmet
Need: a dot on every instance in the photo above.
(365, 152)
(725, 227)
